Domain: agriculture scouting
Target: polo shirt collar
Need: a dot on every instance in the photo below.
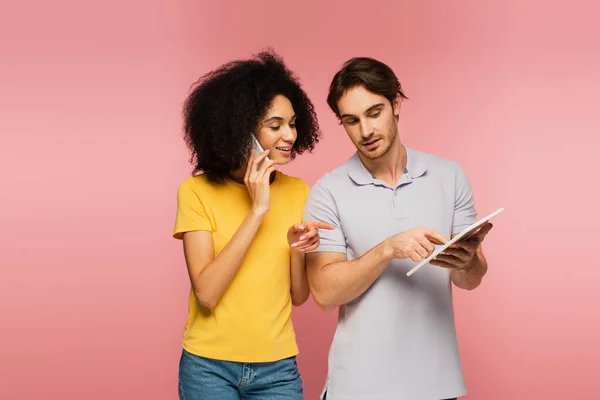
(415, 168)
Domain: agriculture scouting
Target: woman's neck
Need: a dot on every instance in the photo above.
(239, 175)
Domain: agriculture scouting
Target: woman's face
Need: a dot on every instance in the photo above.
(277, 130)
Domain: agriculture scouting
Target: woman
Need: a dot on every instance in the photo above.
(245, 272)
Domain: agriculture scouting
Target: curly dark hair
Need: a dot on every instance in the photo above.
(225, 106)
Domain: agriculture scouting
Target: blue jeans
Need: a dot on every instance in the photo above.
(203, 378)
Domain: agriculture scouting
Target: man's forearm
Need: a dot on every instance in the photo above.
(470, 277)
(338, 283)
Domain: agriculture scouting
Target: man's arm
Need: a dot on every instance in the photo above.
(335, 281)
(470, 277)
(465, 259)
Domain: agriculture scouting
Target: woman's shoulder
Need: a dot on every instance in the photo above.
(194, 182)
(199, 186)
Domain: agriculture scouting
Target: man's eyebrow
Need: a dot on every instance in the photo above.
(368, 110)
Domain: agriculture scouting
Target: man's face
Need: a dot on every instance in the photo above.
(370, 121)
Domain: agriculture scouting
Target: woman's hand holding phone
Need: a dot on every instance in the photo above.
(257, 180)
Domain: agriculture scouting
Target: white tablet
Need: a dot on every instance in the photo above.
(464, 234)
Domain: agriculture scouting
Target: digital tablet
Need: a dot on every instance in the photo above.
(468, 231)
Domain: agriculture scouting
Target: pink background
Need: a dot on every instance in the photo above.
(93, 290)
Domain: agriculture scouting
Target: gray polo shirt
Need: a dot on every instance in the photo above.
(396, 341)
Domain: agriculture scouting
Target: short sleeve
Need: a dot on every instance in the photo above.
(464, 202)
(321, 207)
(191, 214)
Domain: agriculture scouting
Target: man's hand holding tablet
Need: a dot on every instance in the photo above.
(458, 253)
(461, 254)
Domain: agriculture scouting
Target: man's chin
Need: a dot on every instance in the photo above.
(373, 155)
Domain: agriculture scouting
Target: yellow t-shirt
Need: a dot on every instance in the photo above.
(252, 320)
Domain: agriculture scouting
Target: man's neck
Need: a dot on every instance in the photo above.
(391, 166)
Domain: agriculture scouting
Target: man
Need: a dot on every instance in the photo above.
(395, 337)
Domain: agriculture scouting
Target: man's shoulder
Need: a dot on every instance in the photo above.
(434, 160)
(439, 166)
(335, 177)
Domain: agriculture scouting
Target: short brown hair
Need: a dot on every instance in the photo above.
(369, 73)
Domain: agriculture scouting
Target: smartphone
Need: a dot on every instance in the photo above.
(258, 150)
